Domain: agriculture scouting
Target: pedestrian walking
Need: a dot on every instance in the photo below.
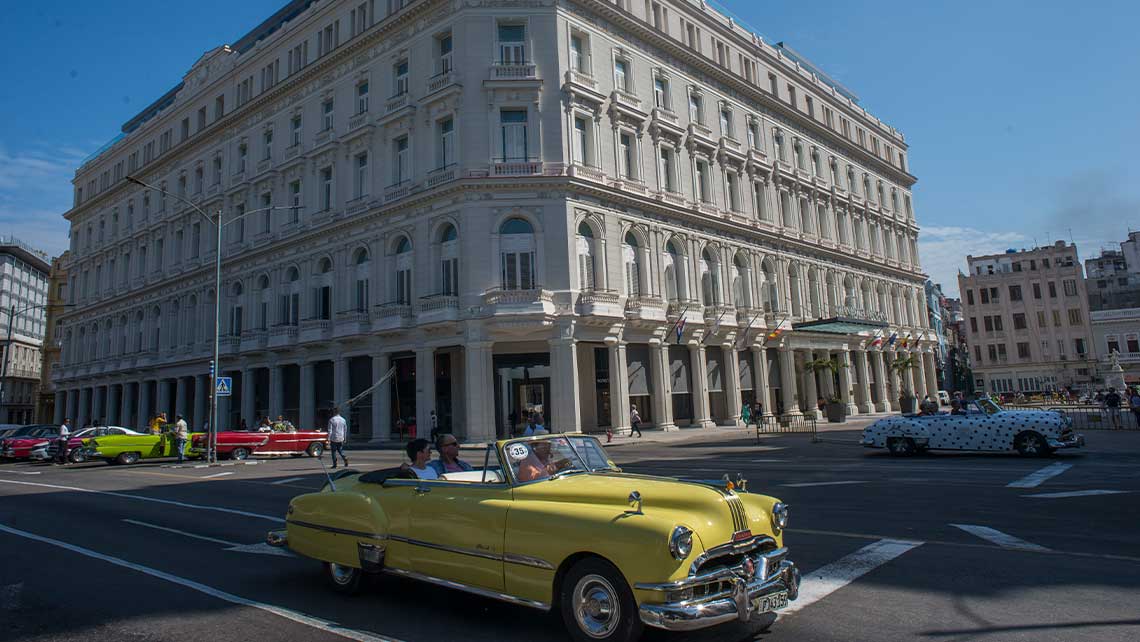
(634, 420)
(181, 434)
(338, 434)
(1134, 405)
(1112, 406)
(64, 436)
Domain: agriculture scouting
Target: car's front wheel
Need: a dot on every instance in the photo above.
(76, 456)
(240, 454)
(343, 579)
(1031, 444)
(597, 603)
(901, 446)
(316, 449)
(127, 458)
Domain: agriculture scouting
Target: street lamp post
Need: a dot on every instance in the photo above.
(12, 313)
(216, 221)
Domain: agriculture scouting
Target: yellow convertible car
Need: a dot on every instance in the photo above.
(549, 522)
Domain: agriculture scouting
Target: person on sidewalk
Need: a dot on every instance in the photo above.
(746, 415)
(64, 435)
(1112, 406)
(1134, 404)
(181, 434)
(338, 434)
(434, 422)
(634, 420)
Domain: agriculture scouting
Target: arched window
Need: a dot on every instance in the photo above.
(824, 221)
(740, 293)
(322, 290)
(801, 162)
(631, 258)
(585, 245)
(771, 287)
(140, 327)
(192, 329)
(175, 325)
(236, 312)
(814, 293)
(156, 331)
(849, 292)
(291, 298)
(796, 295)
(121, 341)
(710, 279)
(264, 300)
(449, 261)
(674, 271)
(361, 262)
(517, 254)
(403, 272)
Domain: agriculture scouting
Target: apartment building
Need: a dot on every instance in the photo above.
(572, 207)
(23, 293)
(1027, 319)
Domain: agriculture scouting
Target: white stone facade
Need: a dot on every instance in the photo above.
(523, 198)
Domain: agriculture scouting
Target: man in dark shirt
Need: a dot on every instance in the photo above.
(1112, 405)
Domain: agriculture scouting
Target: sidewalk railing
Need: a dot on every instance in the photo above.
(779, 425)
(1089, 417)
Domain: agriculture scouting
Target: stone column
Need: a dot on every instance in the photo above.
(381, 400)
(700, 370)
(98, 404)
(128, 407)
(180, 396)
(163, 394)
(73, 405)
(425, 390)
(201, 403)
(480, 396)
(662, 395)
(114, 396)
(248, 397)
(811, 391)
(789, 391)
(565, 412)
(276, 392)
(881, 388)
(60, 404)
(81, 416)
(826, 378)
(918, 375)
(760, 378)
(307, 392)
(731, 381)
(146, 404)
(845, 382)
(866, 406)
(931, 374)
(619, 385)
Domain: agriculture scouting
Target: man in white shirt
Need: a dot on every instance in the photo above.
(63, 437)
(181, 434)
(338, 434)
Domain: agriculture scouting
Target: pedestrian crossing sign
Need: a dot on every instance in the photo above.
(224, 386)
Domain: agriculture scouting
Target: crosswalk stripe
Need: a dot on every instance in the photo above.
(1077, 493)
(1034, 479)
(1004, 540)
(824, 581)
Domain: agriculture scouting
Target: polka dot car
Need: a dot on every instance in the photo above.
(985, 426)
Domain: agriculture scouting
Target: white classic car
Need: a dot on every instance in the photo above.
(983, 426)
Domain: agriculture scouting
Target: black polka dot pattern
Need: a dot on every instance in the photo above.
(973, 431)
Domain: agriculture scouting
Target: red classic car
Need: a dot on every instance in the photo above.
(20, 444)
(237, 444)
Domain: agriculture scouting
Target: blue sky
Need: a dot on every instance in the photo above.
(1020, 115)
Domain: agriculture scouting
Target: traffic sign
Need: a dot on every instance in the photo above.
(224, 386)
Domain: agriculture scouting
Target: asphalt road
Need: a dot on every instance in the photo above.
(935, 547)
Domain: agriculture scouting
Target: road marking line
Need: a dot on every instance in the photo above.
(1034, 479)
(178, 532)
(831, 483)
(826, 580)
(1078, 493)
(286, 481)
(21, 472)
(232, 511)
(217, 475)
(289, 614)
(1003, 540)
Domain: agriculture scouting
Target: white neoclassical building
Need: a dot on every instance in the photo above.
(568, 206)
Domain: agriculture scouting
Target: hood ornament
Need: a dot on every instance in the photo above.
(635, 502)
(740, 483)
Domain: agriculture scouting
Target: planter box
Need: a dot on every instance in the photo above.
(836, 413)
(908, 405)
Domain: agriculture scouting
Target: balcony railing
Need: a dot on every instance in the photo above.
(358, 204)
(625, 98)
(514, 71)
(515, 167)
(323, 136)
(517, 297)
(293, 151)
(437, 302)
(358, 121)
(396, 103)
(397, 190)
(581, 78)
(587, 172)
(666, 115)
(440, 176)
(440, 81)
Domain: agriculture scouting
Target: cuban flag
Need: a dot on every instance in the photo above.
(894, 336)
(680, 328)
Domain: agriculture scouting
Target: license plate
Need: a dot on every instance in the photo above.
(770, 602)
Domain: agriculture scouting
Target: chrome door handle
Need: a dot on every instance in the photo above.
(422, 490)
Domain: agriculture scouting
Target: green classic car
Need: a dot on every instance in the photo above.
(128, 449)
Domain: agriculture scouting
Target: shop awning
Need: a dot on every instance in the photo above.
(839, 325)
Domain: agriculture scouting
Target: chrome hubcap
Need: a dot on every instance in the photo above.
(341, 574)
(596, 606)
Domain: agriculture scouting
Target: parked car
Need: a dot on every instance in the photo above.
(549, 522)
(128, 449)
(75, 450)
(984, 426)
(238, 444)
(19, 443)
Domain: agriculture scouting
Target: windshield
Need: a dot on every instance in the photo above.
(592, 453)
(543, 458)
(988, 406)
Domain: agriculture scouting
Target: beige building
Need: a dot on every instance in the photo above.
(23, 297)
(516, 205)
(1026, 316)
(52, 347)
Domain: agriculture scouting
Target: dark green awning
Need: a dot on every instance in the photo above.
(839, 325)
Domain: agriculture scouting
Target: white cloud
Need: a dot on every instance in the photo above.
(943, 250)
(35, 191)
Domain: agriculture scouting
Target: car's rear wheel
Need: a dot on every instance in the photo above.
(597, 604)
(901, 446)
(76, 456)
(127, 458)
(316, 449)
(343, 579)
(240, 454)
(1031, 444)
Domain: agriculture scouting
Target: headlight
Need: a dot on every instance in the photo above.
(681, 542)
(780, 515)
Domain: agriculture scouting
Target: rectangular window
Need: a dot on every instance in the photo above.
(969, 297)
(667, 180)
(1052, 290)
(514, 132)
(219, 107)
(266, 212)
(1056, 318)
(1079, 345)
(1074, 316)
(696, 109)
(362, 97)
(327, 114)
(581, 141)
(1023, 350)
(974, 325)
(1133, 345)
(326, 188)
(446, 143)
(732, 183)
(401, 170)
(626, 154)
(267, 144)
(295, 127)
(360, 184)
(1019, 321)
(400, 78)
(985, 292)
(294, 201)
(1041, 323)
(725, 122)
(1070, 287)
(1015, 293)
(978, 353)
(512, 44)
(443, 64)
(661, 93)
(621, 75)
(1036, 290)
(755, 139)
(988, 321)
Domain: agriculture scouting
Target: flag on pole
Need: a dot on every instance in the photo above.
(904, 341)
(680, 328)
(894, 336)
(877, 340)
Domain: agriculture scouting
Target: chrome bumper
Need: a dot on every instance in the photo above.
(277, 538)
(1072, 441)
(736, 605)
(868, 442)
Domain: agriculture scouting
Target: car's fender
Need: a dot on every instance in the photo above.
(328, 526)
